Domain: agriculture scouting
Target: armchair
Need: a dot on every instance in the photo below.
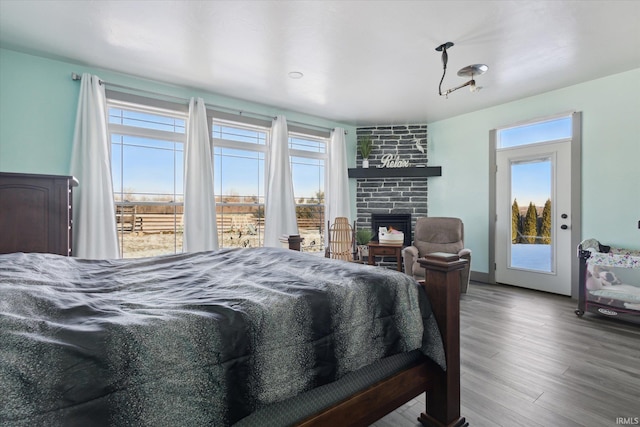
(437, 234)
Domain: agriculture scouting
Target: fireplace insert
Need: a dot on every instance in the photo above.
(400, 222)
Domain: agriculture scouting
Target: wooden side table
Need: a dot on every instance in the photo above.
(376, 249)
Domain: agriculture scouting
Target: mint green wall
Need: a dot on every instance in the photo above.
(38, 103)
(610, 160)
(37, 113)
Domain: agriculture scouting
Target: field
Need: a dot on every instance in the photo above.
(139, 244)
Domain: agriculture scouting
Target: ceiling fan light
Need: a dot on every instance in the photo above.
(473, 70)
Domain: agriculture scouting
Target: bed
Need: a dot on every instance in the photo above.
(231, 337)
(609, 281)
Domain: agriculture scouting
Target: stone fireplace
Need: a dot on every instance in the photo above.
(393, 195)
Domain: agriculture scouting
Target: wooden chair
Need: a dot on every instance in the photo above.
(341, 240)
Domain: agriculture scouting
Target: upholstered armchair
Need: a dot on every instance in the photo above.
(437, 234)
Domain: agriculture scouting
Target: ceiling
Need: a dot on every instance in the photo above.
(363, 62)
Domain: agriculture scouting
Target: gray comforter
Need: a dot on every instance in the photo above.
(192, 339)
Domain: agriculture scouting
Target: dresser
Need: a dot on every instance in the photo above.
(35, 213)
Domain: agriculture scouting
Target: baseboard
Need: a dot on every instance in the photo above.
(477, 276)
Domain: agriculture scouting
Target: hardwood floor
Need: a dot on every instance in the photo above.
(528, 360)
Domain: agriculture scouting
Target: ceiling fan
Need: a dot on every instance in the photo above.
(468, 71)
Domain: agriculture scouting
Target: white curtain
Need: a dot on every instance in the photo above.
(94, 220)
(200, 230)
(280, 206)
(339, 199)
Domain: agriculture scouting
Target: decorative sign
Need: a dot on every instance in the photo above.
(391, 161)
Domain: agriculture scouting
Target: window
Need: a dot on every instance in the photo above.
(147, 147)
(308, 158)
(238, 168)
(147, 153)
(239, 176)
(540, 131)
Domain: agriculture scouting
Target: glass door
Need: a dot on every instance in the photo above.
(533, 205)
(531, 220)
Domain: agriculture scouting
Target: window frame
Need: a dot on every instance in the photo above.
(244, 146)
(324, 157)
(176, 204)
(530, 123)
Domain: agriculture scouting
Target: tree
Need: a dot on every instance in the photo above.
(545, 226)
(530, 226)
(515, 221)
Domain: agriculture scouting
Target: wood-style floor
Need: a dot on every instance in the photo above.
(528, 360)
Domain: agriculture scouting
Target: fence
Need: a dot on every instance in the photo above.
(148, 223)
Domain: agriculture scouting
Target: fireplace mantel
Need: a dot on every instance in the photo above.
(395, 172)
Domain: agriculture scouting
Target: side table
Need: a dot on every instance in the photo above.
(376, 249)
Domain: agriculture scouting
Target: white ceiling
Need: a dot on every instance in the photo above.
(364, 62)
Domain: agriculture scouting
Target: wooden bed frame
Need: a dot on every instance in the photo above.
(442, 387)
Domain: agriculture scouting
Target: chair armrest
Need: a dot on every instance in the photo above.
(464, 253)
(409, 255)
(410, 251)
(465, 272)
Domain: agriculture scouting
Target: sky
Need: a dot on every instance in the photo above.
(139, 167)
(531, 182)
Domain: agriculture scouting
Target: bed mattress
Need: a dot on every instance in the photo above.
(193, 339)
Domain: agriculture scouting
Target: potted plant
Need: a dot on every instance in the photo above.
(365, 145)
(363, 236)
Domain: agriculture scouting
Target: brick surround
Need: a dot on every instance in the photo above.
(392, 195)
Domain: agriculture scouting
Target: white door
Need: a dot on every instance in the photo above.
(528, 178)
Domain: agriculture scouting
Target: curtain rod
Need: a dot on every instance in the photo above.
(76, 76)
